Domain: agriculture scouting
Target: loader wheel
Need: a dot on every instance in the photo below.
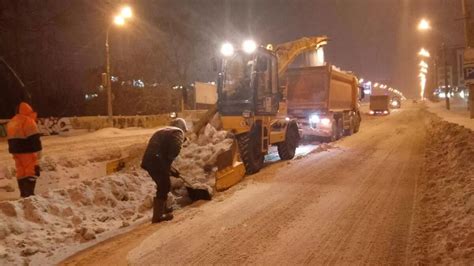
(250, 150)
(287, 148)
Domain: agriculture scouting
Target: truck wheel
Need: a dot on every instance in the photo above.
(357, 124)
(340, 129)
(287, 148)
(350, 130)
(250, 150)
(334, 133)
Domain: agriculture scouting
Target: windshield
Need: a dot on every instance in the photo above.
(237, 79)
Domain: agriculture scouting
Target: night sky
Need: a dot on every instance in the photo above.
(376, 39)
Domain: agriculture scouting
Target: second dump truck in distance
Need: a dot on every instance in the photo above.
(379, 105)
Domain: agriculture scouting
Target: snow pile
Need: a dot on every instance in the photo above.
(197, 159)
(38, 226)
(41, 224)
(444, 228)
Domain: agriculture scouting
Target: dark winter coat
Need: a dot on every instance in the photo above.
(164, 146)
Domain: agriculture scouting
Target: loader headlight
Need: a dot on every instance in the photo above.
(394, 103)
(314, 119)
(249, 46)
(173, 115)
(325, 121)
(227, 49)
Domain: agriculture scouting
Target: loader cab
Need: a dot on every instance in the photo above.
(248, 84)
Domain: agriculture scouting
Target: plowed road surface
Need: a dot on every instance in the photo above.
(350, 204)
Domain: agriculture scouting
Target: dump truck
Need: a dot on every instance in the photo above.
(324, 100)
(379, 105)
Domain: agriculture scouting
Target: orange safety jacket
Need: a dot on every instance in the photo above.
(22, 132)
(24, 142)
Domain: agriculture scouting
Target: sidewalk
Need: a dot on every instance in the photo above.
(458, 113)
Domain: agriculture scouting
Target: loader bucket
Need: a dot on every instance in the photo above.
(230, 170)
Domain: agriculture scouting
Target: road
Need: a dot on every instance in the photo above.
(351, 204)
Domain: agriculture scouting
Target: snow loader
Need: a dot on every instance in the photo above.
(252, 105)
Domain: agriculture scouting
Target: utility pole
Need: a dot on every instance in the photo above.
(469, 43)
(446, 89)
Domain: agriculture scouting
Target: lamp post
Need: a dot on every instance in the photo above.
(119, 20)
(424, 25)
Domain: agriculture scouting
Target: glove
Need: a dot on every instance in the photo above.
(174, 172)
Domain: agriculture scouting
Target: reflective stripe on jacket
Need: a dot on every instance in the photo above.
(22, 131)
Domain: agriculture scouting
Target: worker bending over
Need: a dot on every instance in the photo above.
(163, 147)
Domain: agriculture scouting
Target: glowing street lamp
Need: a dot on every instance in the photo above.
(424, 53)
(126, 12)
(424, 25)
(118, 20)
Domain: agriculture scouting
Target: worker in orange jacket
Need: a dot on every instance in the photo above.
(24, 144)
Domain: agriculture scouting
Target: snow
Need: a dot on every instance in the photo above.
(79, 203)
(76, 214)
(458, 113)
(444, 229)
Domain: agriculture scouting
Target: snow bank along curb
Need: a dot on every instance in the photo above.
(443, 231)
(36, 227)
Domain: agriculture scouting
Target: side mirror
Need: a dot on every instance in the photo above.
(214, 64)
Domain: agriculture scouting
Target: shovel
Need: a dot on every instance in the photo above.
(194, 192)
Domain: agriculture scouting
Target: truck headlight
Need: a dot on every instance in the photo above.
(371, 112)
(385, 112)
(325, 121)
(314, 119)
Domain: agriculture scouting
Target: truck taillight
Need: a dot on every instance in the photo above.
(325, 121)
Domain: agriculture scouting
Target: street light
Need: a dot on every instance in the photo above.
(118, 20)
(424, 53)
(423, 64)
(424, 25)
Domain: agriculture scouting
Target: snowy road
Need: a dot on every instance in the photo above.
(351, 204)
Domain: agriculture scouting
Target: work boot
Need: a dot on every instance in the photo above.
(27, 186)
(22, 186)
(159, 214)
(31, 184)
